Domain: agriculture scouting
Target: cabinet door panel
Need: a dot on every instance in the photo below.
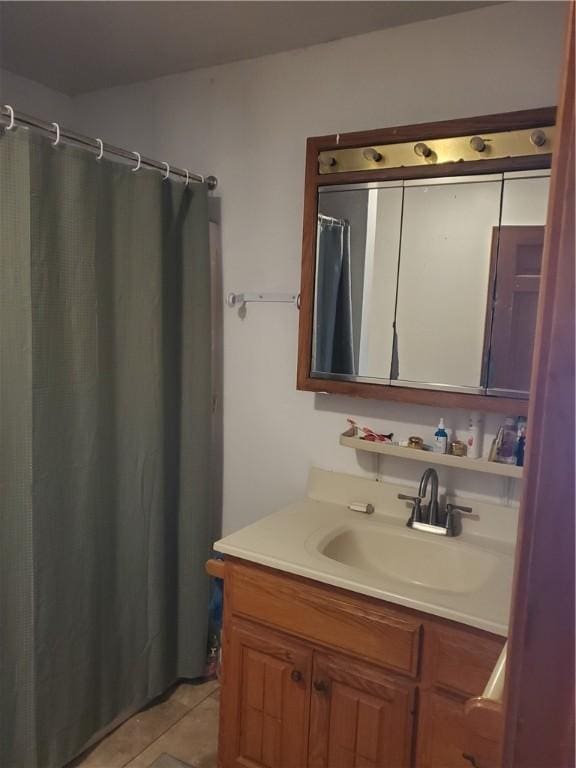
(442, 730)
(359, 717)
(265, 701)
(457, 666)
(461, 663)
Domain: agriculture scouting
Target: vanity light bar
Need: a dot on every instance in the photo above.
(486, 146)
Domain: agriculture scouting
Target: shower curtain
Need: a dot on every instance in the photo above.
(105, 418)
(333, 337)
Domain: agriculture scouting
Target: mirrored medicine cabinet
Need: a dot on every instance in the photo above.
(422, 255)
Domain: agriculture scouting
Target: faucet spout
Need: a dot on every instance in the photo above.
(430, 475)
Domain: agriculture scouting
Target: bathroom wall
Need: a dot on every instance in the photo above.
(35, 99)
(247, 123)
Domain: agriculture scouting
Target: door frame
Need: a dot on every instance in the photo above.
(539, 689)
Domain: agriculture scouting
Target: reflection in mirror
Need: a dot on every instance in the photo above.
(430, 283)
(443, 279)
(358, 238)
(516, 260)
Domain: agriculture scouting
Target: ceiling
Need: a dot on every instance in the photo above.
(75, 47)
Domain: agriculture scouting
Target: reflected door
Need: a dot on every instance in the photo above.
(519, 262)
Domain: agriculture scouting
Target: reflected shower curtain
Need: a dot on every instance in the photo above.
(334, 340)
(105, 415)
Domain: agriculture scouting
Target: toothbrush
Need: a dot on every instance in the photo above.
(369, 434)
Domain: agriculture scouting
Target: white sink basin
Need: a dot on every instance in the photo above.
(410, 557)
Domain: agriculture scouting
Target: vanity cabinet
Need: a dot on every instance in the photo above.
(456, 669)
(318, 677)
(359, 716)
(271, 691)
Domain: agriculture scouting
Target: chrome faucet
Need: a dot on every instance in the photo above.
(431, 511)
(426, 517)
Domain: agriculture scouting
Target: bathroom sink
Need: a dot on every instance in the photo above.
(410, 557)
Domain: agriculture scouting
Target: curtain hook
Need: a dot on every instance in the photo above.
(167, 171)
(100, 154)
(139, 163)
(187, 177)
(57, 139)
(11, 113)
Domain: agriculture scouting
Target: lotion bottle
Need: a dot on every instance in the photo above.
(441, 438)
(474, 439)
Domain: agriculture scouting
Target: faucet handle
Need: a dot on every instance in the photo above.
(450, 524)
(458, 508)
(416, 514)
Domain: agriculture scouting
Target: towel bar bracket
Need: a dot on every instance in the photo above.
(239, 299)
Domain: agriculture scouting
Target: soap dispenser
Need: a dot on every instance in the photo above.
(440, 439)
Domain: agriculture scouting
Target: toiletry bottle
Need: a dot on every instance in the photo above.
(520, 442)
(474, 439)
(495, 447)
(507, 448)
(440, 438)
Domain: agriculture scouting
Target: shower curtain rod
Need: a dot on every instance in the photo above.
(10, 118)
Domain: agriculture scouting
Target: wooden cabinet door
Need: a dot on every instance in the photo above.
(457, 666)
(442, 732)
(265, 699)
(360, 718)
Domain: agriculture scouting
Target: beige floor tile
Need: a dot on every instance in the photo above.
(193, 739)
(167, 761)
(191, 694)
(134, 736)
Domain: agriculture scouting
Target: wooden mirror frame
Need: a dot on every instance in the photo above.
(525, 119)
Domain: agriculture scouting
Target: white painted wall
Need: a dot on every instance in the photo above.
(247, 123)
(35, 99)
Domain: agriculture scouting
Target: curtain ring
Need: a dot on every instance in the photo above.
(187, 177)
(167, 171)
(100, 154)
(11, 113)
(139, 163)
(57, 139)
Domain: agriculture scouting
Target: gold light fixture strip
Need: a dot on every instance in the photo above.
(485, 146)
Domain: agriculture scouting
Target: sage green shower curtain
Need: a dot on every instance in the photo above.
(105, 418)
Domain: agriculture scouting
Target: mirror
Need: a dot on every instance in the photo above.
(430, 283)
(358, 237)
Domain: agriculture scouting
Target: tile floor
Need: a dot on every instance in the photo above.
(181, 727)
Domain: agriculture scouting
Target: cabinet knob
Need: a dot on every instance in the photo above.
(321, 686)
(296, 676)
(471, 759)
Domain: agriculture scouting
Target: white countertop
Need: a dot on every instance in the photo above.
(288, 540)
